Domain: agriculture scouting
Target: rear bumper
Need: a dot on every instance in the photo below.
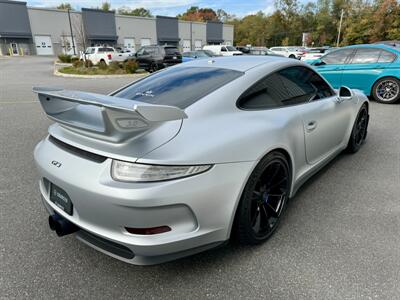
(199, 209)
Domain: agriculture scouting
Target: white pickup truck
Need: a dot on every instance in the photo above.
(99, 55)
(105, 55)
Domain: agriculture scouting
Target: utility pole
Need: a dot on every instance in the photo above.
(340, 28)
(72, 35)
(191, 36)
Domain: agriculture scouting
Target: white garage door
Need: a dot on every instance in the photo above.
(197, 44)
(145, 42)
(43, 45)
(129, 43)
(186, 45)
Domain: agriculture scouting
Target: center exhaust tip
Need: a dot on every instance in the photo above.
(61, 225)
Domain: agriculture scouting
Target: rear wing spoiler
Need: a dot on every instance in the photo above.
(101, 116)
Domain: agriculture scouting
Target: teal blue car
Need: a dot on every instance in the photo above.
(373, 69)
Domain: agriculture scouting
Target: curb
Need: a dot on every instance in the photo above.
(59, 74)
(60, 64)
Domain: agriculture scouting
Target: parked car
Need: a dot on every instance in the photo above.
(262, 51)
(373, 69)
(223, 50)
(153, 58)
(191, 55)
(99, 55)
(243, 49)
(314, 53)
(180, 161)
(123, 55)
(290, 52)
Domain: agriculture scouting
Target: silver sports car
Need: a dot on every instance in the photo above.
(186, 158)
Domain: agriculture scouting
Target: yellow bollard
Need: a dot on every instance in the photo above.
(10, 51)
(21, 51)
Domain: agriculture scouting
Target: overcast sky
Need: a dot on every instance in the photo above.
(170, 7)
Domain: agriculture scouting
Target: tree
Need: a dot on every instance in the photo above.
(195, 13)
(140, 12)
(106, 6)
(64, 6)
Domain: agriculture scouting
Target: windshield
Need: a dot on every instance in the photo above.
(178, 87)
(230, 48)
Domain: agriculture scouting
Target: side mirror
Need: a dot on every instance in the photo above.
(345, 94)
(317, 62)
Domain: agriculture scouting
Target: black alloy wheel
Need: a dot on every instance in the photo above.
(264, 200)
(359, 132)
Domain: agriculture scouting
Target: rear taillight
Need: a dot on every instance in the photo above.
(109, 56)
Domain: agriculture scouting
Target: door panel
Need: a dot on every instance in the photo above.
(361, 76)
(325, 125)
(333, 64)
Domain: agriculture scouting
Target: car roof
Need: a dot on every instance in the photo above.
(382, 46)
(240, 63)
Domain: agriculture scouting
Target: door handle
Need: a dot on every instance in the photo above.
(311, 126)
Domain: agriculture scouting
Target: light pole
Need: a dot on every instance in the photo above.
(72, 35)
(340, 28)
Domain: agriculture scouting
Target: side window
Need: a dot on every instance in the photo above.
(146, 51)
(223, 49)
(366, 56)
(386, 57)
(140, 52)
(337, 57)
(291, 86)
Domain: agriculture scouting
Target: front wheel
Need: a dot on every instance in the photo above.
(359, 132)
(263, 200)
(386, 90)
(292, 56)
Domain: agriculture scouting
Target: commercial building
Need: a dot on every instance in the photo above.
(44, 31)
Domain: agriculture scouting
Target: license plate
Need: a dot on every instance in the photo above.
(174, 57)
(60, 198)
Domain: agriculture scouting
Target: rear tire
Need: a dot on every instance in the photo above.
(263, 200)
(386, 90)
(359, 132)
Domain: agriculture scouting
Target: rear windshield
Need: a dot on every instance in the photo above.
(180, 87)
(106, 50)
(172, 51)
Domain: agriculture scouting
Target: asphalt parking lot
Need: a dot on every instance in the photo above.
(339, 238)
